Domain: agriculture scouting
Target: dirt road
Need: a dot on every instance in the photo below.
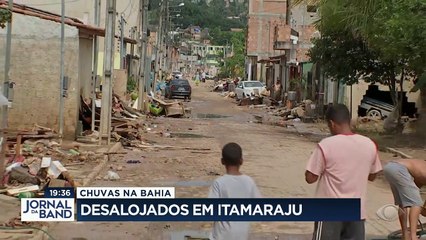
(274, 157)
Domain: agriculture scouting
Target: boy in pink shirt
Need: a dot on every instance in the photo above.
(342, 164)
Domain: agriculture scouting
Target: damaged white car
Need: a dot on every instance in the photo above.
(248, 89)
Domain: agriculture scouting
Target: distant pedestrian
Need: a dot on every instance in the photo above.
(342, 164)
(232, 185)
(197, 78)
(203, 77)
(405, 178)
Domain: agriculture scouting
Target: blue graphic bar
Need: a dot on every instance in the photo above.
(205, 209)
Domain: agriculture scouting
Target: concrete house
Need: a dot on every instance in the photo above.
(279, 36)
(35, 68)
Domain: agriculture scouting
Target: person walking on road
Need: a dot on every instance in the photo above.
(203, 76)
(233, 184)
(342, 164)
(405, 178)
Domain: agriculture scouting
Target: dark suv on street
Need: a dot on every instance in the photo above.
(178, 88)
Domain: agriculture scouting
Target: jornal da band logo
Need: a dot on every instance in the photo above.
(47, 209)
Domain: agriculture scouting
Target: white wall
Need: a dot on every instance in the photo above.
(85, 9)
(85, 67)
(35, 68)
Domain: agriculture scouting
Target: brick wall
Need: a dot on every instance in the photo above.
(306, 33)
(35, 68)
(263, 17)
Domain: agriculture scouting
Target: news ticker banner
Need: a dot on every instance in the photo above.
(102, 204)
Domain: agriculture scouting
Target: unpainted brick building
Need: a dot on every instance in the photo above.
(276, 30)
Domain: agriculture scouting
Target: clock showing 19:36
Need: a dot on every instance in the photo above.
(59, 193)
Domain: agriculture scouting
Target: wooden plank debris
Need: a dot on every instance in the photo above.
(15, 191)
(393, 150)
(165, 147)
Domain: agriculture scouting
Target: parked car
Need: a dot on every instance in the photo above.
(376, 108)
(178, 88)
(209, 77)
(177, 74)
(247, 89)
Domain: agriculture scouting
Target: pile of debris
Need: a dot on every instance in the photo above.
(35, 162)
(304, 111)
(220, 86)
(14, 139)
(120, 109)
(130, 130)
(168, 108)
(253, 100)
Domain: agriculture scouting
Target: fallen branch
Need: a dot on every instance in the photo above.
(74, 164)
(393, 150)
(199, 152)
(110, 153)
(42, 128)
(171, 147)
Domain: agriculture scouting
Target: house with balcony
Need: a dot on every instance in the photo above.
(278, 40)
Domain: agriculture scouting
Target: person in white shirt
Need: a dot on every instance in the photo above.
(233, 184)
(203, 77)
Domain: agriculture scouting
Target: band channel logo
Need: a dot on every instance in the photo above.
(47, 209)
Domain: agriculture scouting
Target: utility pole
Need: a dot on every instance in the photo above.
(95, 62)
(159, 44)
(122, 47)
(166, 38)
(140, 47)
(166, 56)
(6, 83)
(224, 54)
(61, 91)
(132, 51)
(143, 26)
(108, 70)
(146, 74)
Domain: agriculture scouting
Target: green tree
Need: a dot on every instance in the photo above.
(234, 66)
(5, 16)
(212, 15)
(399, 33)
(393, 29)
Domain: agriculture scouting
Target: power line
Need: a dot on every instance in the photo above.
(128, 5)
(132, 10)
(49, 4)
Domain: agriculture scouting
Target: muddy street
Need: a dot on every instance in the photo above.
(273, 156)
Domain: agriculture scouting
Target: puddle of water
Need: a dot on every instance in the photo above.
(210, 115)
(187, 135)
(187, 183)
(189, 235)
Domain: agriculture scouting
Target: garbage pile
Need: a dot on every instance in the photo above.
(220, 86)
(159, 107)
(128, 129)
(301, 111)
(36, 161)
(120, 110)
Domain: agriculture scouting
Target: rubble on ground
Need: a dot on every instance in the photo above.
(220, 86)
(36, 160)
(168, 108)
(254, 100)
(304, 111)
